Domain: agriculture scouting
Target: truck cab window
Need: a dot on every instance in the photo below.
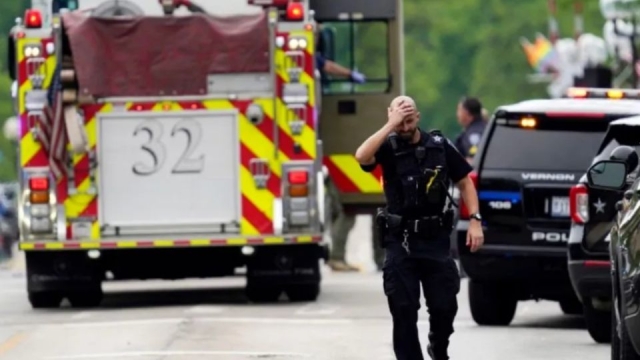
(359, 45)
(65, 4)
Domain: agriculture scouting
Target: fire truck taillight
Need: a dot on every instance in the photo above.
(39, 208)
(298, 183)
(299, 196)
(39, 183)
(295, 11)
(39, 190)
(33, 19)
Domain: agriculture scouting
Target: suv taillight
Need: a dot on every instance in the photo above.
(464, 211)
(579, 203)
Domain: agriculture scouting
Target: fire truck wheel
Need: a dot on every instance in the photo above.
(263, 294)
(86, 297)
(45, 299)
(303, 292)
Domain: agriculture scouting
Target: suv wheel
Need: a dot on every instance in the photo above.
(598, 323)
(571, 305)
(491, 303)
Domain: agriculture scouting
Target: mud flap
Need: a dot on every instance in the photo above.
(284, 265)
(60, 271)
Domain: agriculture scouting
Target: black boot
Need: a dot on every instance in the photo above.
(432, 356)
(430, 352)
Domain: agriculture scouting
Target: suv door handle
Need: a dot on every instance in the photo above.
(628, 194)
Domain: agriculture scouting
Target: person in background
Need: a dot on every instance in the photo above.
(342, 220)
(469, 114)
(330, 67)
(327, 66)
(341, 225)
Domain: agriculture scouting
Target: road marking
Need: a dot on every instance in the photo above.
(206, 309)
(285, 321)
(305, 321)
(12, 342)
(257, 354)
(315, 309)
(246, 320)
(121, 323)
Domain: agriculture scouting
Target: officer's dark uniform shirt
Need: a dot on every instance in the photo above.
(457, 169)
(467, 142)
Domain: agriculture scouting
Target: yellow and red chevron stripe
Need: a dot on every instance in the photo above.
(307, 137)
(32, 153)
(137, 244)
(348, 177)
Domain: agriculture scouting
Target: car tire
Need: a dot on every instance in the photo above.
(45, 299)
(303, 292)
(571, 305)
(598, 323)
(88, 297)
(263, 294)
(491, 303)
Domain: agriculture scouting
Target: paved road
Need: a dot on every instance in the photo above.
(211, 320)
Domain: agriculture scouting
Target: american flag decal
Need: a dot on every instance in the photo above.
(54, 119)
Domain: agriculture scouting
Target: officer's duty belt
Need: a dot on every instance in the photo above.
(424, 225)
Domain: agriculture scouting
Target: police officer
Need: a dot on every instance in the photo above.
(469, 114)
(341, 225)
(417, 167)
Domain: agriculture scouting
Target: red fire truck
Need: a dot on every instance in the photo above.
(188, 145)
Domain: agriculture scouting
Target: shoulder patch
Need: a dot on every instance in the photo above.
(438, 139)
(474, 138)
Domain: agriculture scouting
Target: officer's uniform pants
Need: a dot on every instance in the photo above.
(440, 282)
(340, 230)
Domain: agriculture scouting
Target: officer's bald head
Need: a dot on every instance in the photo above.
(409, 126)
(402, 99)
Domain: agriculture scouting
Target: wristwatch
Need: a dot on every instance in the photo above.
(475, 216)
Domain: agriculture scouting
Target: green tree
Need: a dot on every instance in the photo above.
(9, 10)
(471, 47)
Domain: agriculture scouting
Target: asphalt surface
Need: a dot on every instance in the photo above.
(211, 319)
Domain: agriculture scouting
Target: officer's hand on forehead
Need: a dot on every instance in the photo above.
(406, 106)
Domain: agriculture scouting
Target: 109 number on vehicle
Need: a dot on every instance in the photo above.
(186, 164)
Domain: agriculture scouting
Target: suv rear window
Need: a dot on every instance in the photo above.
(558, 144)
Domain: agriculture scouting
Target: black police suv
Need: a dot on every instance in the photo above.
(592, 215)
(621, 175)
(530, 156)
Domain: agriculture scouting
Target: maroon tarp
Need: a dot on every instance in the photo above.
(161, 56)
